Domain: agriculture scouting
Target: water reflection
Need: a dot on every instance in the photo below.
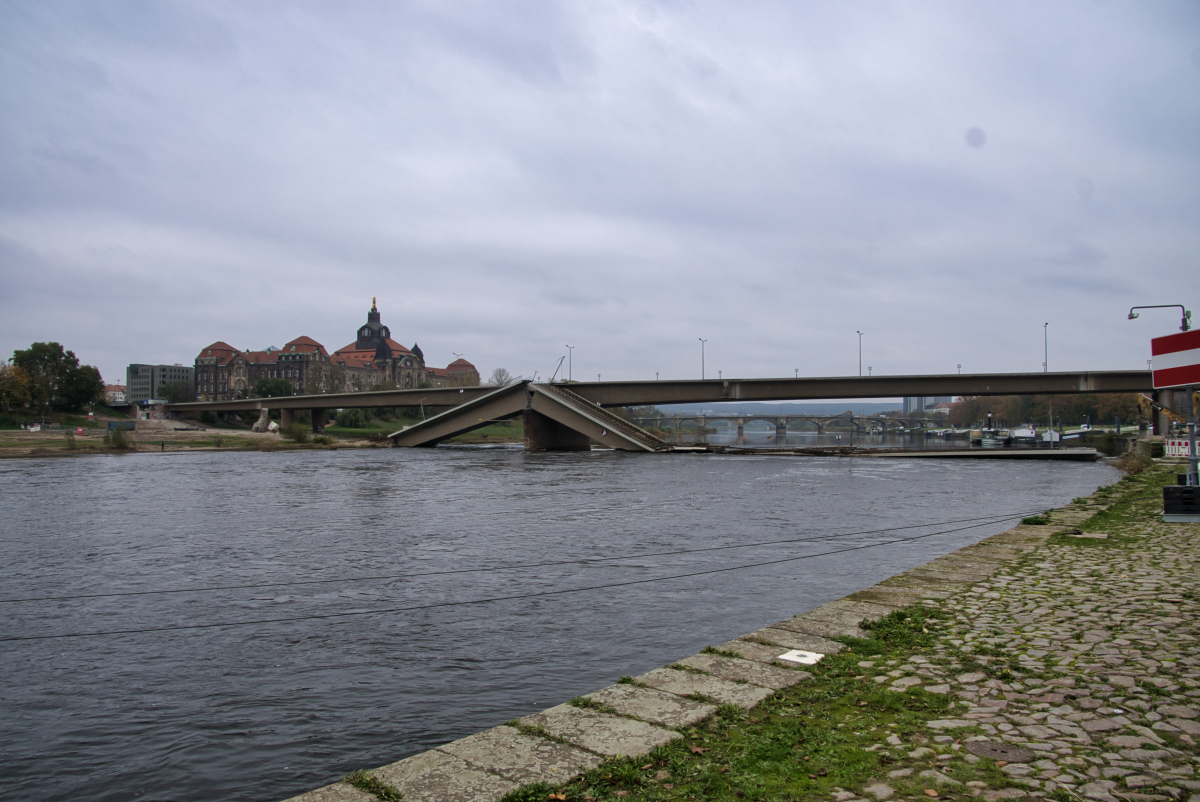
(767, 438)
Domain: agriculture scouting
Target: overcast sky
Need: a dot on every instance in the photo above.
(625, 177)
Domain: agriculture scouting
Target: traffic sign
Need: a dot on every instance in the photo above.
(1176, 359)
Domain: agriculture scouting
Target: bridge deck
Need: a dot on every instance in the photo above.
(611, 394)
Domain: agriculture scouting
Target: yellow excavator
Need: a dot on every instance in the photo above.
(1147, 404)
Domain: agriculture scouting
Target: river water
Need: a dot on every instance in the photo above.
(266, 710)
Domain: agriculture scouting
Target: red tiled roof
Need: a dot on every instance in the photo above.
(304, 344)
(397, 347)
(217, 346)
(260, 357)
(353, 358)
(438, 372)
(462, 366)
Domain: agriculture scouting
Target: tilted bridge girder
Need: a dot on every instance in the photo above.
(555, 419)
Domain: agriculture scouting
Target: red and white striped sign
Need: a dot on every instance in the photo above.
(1176, 359)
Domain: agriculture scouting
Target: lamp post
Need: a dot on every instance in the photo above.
(860, 353)
(797, 373)
(1184, 325)
(1046, 347)
(656, 375)
(702, 342)
(570, 361)
(960, 370)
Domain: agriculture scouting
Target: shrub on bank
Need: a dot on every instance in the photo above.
(295, 432)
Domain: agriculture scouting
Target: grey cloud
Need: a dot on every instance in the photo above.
(626, 177)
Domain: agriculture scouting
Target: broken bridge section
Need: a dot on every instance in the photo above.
(555, 418)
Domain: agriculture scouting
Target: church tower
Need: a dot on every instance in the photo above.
(373, 335)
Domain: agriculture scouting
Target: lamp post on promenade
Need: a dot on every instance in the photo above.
(1046, 346)
(702, 342)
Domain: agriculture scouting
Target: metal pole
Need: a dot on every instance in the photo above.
(702, 342)
(1193, 459)
(1046, 345)
(860, 353)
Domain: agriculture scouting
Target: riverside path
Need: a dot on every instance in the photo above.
(1057, 660)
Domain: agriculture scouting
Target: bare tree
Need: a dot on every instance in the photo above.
(500, 376)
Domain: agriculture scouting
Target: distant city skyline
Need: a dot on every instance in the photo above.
(965, 184)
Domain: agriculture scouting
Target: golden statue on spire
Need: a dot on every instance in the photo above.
(372, 303)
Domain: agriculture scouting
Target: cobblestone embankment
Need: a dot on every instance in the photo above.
(1059, 661)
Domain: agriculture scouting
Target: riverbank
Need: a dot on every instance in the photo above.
(189, 437)
(1055, 660)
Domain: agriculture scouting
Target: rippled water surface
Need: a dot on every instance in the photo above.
(267, 710)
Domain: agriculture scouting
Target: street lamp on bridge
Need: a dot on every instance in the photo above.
(860, 353)
(702, 342)
(1186, 323)
(1046, 346)
(570, 359)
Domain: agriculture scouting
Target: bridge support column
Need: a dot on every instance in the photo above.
(741, 431)
(1160, 423)
(546, 434)
(286, 417)
(318, 421)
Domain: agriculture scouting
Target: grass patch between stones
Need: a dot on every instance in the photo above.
(799, 743)
(363, 781)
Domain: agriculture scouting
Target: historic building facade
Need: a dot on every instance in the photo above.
(373, 361)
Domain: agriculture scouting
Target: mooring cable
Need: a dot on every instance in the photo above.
(519, 566)
(436, 605)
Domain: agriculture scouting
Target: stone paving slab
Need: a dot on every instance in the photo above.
(601, 733)
(685, 683)
(929, 587)
(832, 627)
(894, 597)
(850, 611)
(940, 572)
(521, 758)
(792, 639)
(754, 651)
(657, 707)
(437, 776)
(745, 670)
(338, 792)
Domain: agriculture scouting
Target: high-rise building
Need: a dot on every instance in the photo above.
(146, 381)
(920, 404)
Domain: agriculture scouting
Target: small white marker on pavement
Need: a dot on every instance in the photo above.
(798, 656)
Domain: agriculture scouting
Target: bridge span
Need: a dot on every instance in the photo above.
(859, 423)
(639, 393)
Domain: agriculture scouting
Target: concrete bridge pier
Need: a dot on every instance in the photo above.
(318, 421)
(286, 417)
(543, 433)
